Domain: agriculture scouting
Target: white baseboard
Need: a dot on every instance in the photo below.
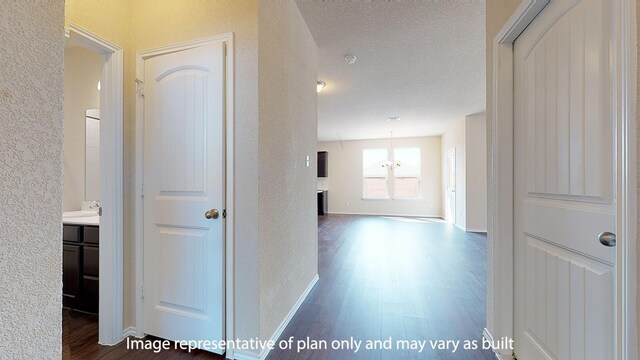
(245, 355)
(470, 230)
(241, 355)
(487, 335)
(375, 214)
(461, 227)
(130, 331)
(292, 312)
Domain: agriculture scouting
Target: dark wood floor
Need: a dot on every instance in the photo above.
(404, 278)
(413, 279)
(80, 342)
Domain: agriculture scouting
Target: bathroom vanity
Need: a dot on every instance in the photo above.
(80, 243)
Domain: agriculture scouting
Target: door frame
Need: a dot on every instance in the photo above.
(229, 74)
(500, 290)
(446, 185)
(111, 188)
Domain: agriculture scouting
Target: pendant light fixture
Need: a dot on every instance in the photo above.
(388, 163)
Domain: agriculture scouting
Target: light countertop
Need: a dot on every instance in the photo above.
(80, 218)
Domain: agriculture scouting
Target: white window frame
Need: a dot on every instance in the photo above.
(386, 178)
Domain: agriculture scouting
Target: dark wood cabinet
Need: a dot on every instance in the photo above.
(70, 275)
(71, 233)
(80, 267)
(323, 164)
(91, 235)
(323, 207)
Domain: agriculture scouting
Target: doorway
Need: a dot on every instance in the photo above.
(186, 173)
(107, 256)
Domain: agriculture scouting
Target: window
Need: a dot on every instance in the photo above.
(406, 177)
(374, 175)
(405, 172)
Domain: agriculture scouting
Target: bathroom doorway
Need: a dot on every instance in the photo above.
(93, 196)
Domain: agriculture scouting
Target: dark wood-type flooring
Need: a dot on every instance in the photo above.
(380, 277)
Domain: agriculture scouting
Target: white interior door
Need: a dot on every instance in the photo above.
(450, 184)
(565, 188)
(183, 179)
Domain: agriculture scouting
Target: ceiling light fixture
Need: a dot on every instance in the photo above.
(350, 59)
(320, 85)
(393, 118)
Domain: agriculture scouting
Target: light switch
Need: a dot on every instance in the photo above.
(308, 161)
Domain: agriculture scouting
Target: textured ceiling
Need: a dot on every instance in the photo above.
(423, 61)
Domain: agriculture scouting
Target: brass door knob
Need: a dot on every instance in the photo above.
(212, 214)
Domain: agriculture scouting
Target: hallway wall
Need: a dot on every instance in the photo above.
(288, 128)
(31, 133)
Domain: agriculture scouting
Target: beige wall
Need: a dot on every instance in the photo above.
(345, 178)
(638, 176)
(476, 172)
(468, 137)
(455, 137)
(82, 70)
(31, 133)
(288, 71)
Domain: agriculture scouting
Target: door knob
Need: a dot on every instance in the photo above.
(212, 214)
(607, 239)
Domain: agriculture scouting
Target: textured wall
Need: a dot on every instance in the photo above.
(638, 177)
(31, 117)
(476, 172)
(288, 71)
(82, 70)
(345, 178)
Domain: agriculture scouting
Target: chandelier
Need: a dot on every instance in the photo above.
(388, 163)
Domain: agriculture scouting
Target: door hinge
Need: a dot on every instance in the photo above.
(99, 210)
(225, 49)
(224, 213)
(142, 191)
(140, 87)
(142, 290)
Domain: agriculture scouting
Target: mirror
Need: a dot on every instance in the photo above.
(92, 155)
